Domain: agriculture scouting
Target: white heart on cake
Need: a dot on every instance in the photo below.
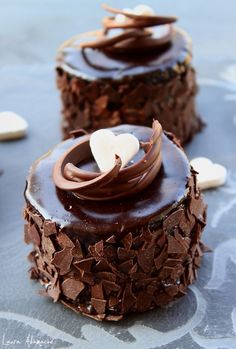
(210, 174)
(105, 145)
(12, 126)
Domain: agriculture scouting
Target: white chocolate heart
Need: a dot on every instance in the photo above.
(143, 10)
(162, 31)
(105, 145)
(210, 175)
(12, 126)
(119, 18)
(139, 10)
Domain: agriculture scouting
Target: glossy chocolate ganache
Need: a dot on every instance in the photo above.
(108, 256)
(91, 217)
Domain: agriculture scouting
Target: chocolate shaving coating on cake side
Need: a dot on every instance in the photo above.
(99, 104)
(113, 276)
(115, 183)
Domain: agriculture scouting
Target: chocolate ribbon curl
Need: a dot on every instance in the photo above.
(135, 37)
(117, 182)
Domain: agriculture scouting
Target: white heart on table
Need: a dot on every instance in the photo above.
(105, 145)
(12, 126)
(210, 174)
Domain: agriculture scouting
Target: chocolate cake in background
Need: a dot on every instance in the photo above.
(137, 67)
(127, 240)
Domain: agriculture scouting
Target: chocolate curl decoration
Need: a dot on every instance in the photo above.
(114, 184)
(134, 20)
(135, 37)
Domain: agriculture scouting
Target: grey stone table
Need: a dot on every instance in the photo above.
(30, 31)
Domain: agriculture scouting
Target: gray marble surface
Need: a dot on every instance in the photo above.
(30, 32)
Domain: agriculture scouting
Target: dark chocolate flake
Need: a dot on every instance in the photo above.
(48, 246)
(126, 266)
(144, 301)
(173, 220)
(110, 286)
(174, 246)
(159, 260)
(84, 264)
(102, 265)
(54, 291)
(146, 258)
(27, 238)
(64, 241)
(127, 241)
(128, 299)
(97, 291)
(49, 228)
(71, 288)
(77, 251)
(111, 239)
(33, 235)
(33, 273)
(104, 275)
(62, 260)
(124, 254)
(99, 305)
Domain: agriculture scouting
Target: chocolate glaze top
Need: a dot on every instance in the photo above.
(89, 219)
(93, 64)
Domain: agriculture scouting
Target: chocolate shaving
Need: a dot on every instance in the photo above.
(173, 220)
(97, 291)
(131, 106)
(49, 228)
(134, 29)
(64, 241)
(174, 246)
(62, 260)
(32, 235)
(84, 264)
(99, 305)
(72, 288)
(124, 254)
(128, 299)
(146, 258)
(77, 251)
(143, 302)
(127, 241)
(53, 291)
(48, 246)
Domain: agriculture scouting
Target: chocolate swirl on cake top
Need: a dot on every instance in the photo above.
(132, 34)
(115, 183)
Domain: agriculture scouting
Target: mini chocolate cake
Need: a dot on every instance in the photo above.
(138, 66)
(126, 240)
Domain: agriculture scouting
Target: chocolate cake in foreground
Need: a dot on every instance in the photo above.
(106, 258)
(126, 73)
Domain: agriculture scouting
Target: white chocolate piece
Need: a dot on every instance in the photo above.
(210, 175)
(12, 126)
(119, 18)
(162, 30)
(143, 10)
(140, 10)
(105, 145)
